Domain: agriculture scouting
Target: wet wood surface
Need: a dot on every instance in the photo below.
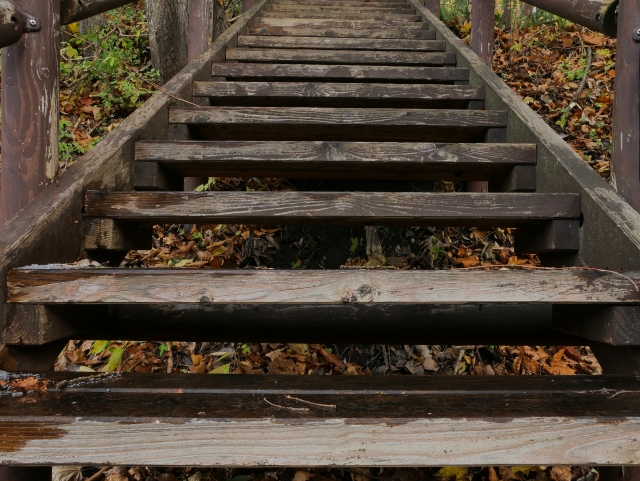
(341, 32)
(249, 420)
(340, 72)
(264, 41)
(352, 57)
(336, 159)
(352, 208)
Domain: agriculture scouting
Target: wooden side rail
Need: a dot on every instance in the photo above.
(76, 10)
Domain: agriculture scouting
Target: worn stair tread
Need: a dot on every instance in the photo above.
(332, 23)
(350, 3)
(338, 116)
(356, 208)
(394, 18)
(342, 72)
(50, 285)
(340, 43)
(337, 159)
(338, 90)
(387, 8)
(339, 56)
(391, 33)
(248, 421)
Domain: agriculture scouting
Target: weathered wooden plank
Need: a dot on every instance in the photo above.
(339, 90)
(344, 72)
(330, 23)
(554, 236)
(294, 31)
(249, 420)
(336, 159)
(519, 179)
(333, 116)
(354, 3)
(113, 235)
(339, 56)
(48, 285)
(340, 43)
(367, 16)
(153, 177)
(387, 8)
(404, 208)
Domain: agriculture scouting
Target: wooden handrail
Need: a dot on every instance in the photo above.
(597, 15)
(76, 10)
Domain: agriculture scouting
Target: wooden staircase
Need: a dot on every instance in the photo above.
(366, 91)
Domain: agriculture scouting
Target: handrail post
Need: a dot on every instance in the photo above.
(30, 99)
(247, 4)
(625, 158)
(433, 6)
(482, 20)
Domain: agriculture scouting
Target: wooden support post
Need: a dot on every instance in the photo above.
(201, 33)
(30, 98)
(482, 17)
(625, 165)
(433, 6)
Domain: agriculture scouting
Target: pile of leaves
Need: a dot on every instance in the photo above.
(565, 73)
(501, 473)
(104, 76)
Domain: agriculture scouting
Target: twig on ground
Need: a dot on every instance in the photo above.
(83, 379)
(457, 369)
(98, 474)
(587, 69)
(170, 360)
(329, 406)
(284, 407)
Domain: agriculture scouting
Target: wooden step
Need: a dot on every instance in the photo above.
(332, 23)
(399, 33)
(340, 43)
(323, 208)
(340, 72)
(50, 285)
(354, 57)
(335, 124)
(375, 160)
(247, 421)
(328, 4)
(384, 9)
(372, 16)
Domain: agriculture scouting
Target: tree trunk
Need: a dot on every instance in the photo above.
(92, 24)
(168, 34)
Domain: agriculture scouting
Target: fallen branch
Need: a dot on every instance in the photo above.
(583, 83)
(285, 407)
(329, 406)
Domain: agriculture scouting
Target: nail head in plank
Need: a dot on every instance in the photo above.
(339, 43)
(342, 72)
(46, 285)
(396, 33)
(339, 56)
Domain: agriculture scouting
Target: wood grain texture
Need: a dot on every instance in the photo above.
(332, 90)
(112, 235)
(367, 16)
(48, 285)
(332, 23)
(333, 116)
(482, 23)
(610, 234)
(353, 57)
(363, 72)
(30, 100)
(460, 421)
(340, 43)
(613, 325)
(336, 159)
(361, 208)
(294, 31)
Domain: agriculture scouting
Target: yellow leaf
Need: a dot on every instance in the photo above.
(224, 369)
(73, 27)
(300, 348)
(460, 472)
(219, 251)
(523, 469)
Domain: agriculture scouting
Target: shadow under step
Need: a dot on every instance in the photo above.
(255, 420)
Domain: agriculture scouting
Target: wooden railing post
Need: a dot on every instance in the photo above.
(30, 98)
(482, 19)
(247, 4)
(625, 161)
(433, 6)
